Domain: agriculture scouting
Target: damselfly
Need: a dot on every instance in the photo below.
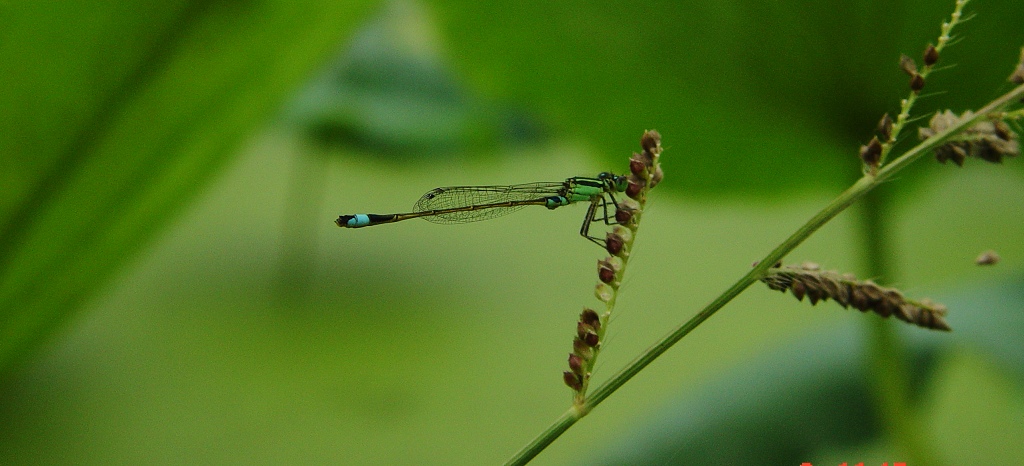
(464, 204)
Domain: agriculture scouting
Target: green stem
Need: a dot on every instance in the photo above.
(904, 117)
(557, 428)
(890, 383)
(298, 232)
(888, 356)
(840, 203)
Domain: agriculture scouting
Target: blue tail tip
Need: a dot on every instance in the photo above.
(353, 221)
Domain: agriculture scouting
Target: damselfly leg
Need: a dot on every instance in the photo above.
(596, 214)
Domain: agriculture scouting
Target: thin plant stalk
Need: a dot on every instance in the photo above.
(861, 187)
(887, 355)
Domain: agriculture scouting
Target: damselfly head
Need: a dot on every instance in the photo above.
(613, 181)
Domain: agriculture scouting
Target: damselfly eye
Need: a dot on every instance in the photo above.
(619, 183)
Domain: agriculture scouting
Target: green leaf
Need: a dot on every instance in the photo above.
(752, 97)
(114, 117)
(777, 409)
(394, 95)
(811, 398)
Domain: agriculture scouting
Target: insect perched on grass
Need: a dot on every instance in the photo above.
(464, 204)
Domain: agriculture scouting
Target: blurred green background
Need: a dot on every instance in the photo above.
(173, 289)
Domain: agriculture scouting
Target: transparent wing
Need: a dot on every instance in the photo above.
(460, 197)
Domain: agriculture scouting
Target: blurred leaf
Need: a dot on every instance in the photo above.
(990, 318)
(115, 116)
(976, 410)
(752, 97)
(393, 94)
(778, 409)
(389, 91)
(813, 397)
